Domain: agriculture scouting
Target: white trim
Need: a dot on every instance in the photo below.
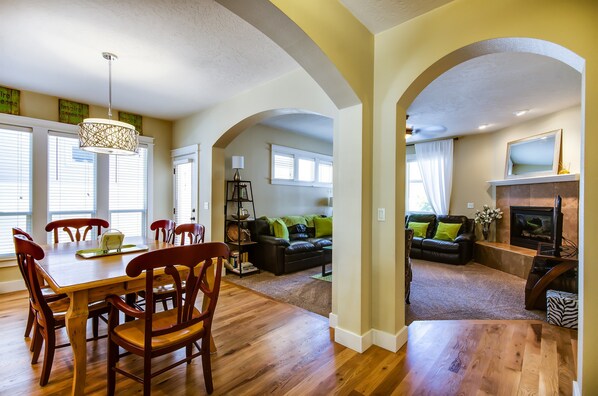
(536, 180)
(182, 151)
(389, 341)
(333, 320)
(352, 340)
(576, 390)
(12, 286)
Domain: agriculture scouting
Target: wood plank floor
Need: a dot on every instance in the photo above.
(267, 347)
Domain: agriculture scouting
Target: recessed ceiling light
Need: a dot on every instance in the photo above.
(519, 113)
(483, 126)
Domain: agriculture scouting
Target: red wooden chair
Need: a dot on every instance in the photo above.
(156, 334)
(70, 225)
(193, 231)
(49, 314)
(164, 228)
(48, 293)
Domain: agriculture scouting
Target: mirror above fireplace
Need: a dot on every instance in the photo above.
(537, 155)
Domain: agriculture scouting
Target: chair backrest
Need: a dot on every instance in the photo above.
(27, 253)
(19, 231)
(198, 258)
(70, 225)
(408, 242)
(195, 232)
(165, 228)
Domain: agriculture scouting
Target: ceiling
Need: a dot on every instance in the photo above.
(177, 57)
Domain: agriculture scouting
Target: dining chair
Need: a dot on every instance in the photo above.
(49, 314)
(408, 270)
(164, 229)
(47, 292)
(155, 334)
(193, 231)
(75, 225)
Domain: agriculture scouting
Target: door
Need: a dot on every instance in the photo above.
(184, 168)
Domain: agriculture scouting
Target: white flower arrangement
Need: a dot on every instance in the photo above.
(487, 215)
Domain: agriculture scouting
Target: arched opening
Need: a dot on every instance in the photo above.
(497, 196)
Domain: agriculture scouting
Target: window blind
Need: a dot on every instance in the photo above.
(128, 193)
(325, 172)
(71, 179)
(306, 169)
(15, 184)
(284, 167)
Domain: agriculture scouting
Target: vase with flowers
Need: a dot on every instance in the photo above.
(485, 217)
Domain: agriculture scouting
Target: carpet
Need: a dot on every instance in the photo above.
(472, 291)
(298, 288)
(327, 278)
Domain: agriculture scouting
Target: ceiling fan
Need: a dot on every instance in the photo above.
(429, 130)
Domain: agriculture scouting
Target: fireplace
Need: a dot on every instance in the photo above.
(531, 225)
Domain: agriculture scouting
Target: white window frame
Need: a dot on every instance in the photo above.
(39, 173)
(411, 158)
(299, 154)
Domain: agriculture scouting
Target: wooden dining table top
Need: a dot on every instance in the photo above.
(67, 272)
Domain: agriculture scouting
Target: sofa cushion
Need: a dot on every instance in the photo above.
(447, 231)
(280, 229)
(293, 220)
(323, 226)
(298, 236)
(417, 242)
(419, 229)
(300, 247)
(321, 242)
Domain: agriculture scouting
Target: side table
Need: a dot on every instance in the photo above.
(324, 272)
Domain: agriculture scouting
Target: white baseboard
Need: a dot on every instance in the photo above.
(352, 340)
(12, 286)
(332, 320)
(576, 391)
(390, 342)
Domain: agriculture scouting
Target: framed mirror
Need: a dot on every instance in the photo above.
(537, 155)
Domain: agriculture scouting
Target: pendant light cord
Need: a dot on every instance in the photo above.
(110, 57)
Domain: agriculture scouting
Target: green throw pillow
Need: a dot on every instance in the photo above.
(309, 219)
(419, 229)
(323, 226)
(293, 220)
(280, 229)
(447, 231)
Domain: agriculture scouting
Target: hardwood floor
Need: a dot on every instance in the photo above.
(268, 347)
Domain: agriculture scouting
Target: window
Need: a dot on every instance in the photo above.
(298, 167)
(416, 200)
(128, 193)
(15, 184)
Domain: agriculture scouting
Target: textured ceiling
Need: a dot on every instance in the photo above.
(175, 57)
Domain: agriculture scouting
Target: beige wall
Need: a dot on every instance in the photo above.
(276, 199)
(40, 106)
(480, 158)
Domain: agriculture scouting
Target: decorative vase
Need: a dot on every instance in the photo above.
(485, 230)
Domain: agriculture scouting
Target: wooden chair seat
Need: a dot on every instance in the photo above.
(134, 332)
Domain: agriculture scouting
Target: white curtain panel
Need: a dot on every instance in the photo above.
(435, 161)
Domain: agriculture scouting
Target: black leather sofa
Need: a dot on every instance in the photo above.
(280, 256)
(459, 251)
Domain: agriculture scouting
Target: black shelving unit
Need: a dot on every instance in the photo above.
(239, 212)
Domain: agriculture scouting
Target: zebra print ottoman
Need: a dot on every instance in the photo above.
(561, 308)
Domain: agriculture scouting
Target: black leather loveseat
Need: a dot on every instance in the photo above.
(281, 256)
(459, 251)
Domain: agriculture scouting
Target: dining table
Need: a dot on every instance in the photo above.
(87, 280)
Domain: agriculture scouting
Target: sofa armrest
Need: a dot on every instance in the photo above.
(272, 240)
(465, 238)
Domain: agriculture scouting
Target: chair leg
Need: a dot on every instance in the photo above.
(29, 322)
(48, 356)
(207, 363)
(189, 350)
(95, 325)
(36, 344)
(34, 337)
(111, 363)
(147, 374)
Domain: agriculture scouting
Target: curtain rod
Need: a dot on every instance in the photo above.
(431, 140)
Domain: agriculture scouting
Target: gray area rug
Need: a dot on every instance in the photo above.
(297, 288)
(438, 292)
(472, 291)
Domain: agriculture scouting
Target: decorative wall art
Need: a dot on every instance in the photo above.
(10, 101)
(72, 112)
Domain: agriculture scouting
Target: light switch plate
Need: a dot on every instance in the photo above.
(469, 205)
(381, 214)
(206, 205)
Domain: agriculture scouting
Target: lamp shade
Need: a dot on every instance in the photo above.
(107, 136)
(238, 162)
